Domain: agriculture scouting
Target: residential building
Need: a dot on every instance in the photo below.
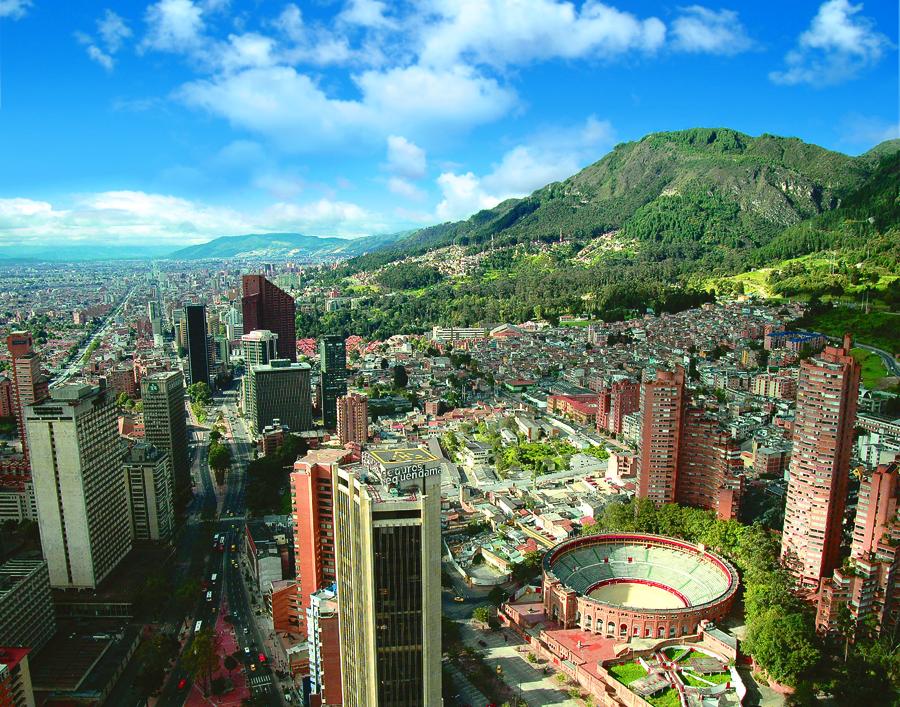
(27, 617)
(820, 464)
(257, 348)
(353, 418)
(662, 407)
(29, 383)
(15, 678)
(867, 585)
(445, 335)
(79, 486)
(266, 306)
(324, 650)
(147, 471)
(165, 425)
(387, 517)
(281, 392)
(614, 402)
(197, 339)
(774, 385)
(333, 367)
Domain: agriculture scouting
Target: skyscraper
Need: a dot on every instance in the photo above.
(258, 347)
(662, 406)
(27, 617)
(869, 587)
(197, 343)
(82, 503)
(827, 394)
(353, 418)
(165, 426)
(29, 384)
(387, 517)
(266, 306)
(149, 484)
(281, 391)
(333, 367)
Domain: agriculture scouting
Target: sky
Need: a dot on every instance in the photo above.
(172, 122)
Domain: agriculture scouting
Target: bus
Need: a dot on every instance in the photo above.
(214, 578)
(197, 626)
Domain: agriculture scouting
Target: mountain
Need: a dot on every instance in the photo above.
(673, 195)
(284, 245)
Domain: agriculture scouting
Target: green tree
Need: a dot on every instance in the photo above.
(201, 659)
(481, 614)
(219, 456)
(783, 644)
(401, 377)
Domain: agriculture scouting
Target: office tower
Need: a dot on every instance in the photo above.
(197, 343)
(155, 316)
(82, 504)
(868, 587)
(281, 392)
(353, 418)
(312, 510)
(149, 479)
(257, 348)
(234, 324)
(333, 367)
(827, 392)
(165, 426)
(27, 617)
(265, 306)
(29, 384)
(15, 678)
(387, 518)
(324, 642)
(662, 407)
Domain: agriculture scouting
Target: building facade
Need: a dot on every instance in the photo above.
(387, 517)
(149, 492)
(353, 418)
(15, 678)
(266, 306)
(258, 347)
(614, 402)
(27, 617)
(165, 425)
(324, 650)
(820, 464)
(29, 384)
(662, 407)
(281, 391)
(79, 486)
(197, 341)
(333, 369)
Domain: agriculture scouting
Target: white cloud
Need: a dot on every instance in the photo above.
(122, 217)
(405, 188)
(549, 156)
(291, 109)
(502, 32)
(102, 58)
(405, 158)
(173, 25)
(839, 43)
(366, 13)
(113, 31)
(14, 9)
(699, 29)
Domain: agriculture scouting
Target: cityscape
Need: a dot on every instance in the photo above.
(615, 423)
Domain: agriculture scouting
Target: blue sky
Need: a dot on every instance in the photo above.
(179, 120)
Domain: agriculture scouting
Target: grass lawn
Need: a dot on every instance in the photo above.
(672, 653)
(715, 678)
(627, 673)
(880, 329)
(576, 322)
(691, 654)
(873, 369)
(669, 698)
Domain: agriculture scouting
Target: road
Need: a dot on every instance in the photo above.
(890, 363)
(75, 366)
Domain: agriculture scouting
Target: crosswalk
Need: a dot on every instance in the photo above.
(260, 682)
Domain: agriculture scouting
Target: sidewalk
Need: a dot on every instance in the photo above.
(228, 644)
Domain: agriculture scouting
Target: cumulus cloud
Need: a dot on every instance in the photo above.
(405, 188)
(122, 217)
(698, 29)
(839, 44)
(405, 158)
(503, 32)
(549, 156)
(14, 9)
(366, 13)
(173, 25)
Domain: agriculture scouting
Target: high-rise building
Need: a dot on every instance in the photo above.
(29, 384)
(662, 407)
(614, 402)
(868, 587)
(165, 426)
(234, 324)
(82, 503)
(324, 643)
(27, 617)
(387, 517)
(333, 368)
(197, 343)
(819, 470)
(149, 478)
(15, 678)
(353, 418)
(266, 306)
(281, 391)
(312, 508)
(258, 348)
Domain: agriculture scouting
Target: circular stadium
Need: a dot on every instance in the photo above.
(634, 585)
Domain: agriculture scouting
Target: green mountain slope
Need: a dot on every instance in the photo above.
(710, 193)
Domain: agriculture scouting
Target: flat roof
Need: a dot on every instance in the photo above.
(403, 456)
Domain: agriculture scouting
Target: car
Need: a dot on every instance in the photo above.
(246, 630)
(262, 657)
(246, 650)
(252, 666)
(459, 599)
(182, 683)
(209, 596)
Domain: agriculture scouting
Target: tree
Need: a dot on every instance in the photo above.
(199, 393)
(497, 596)
(783, 644)
(201, 659)
(401, 377)
(219, 456)
(481, 614)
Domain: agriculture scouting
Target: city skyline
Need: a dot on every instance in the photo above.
(350, 136)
